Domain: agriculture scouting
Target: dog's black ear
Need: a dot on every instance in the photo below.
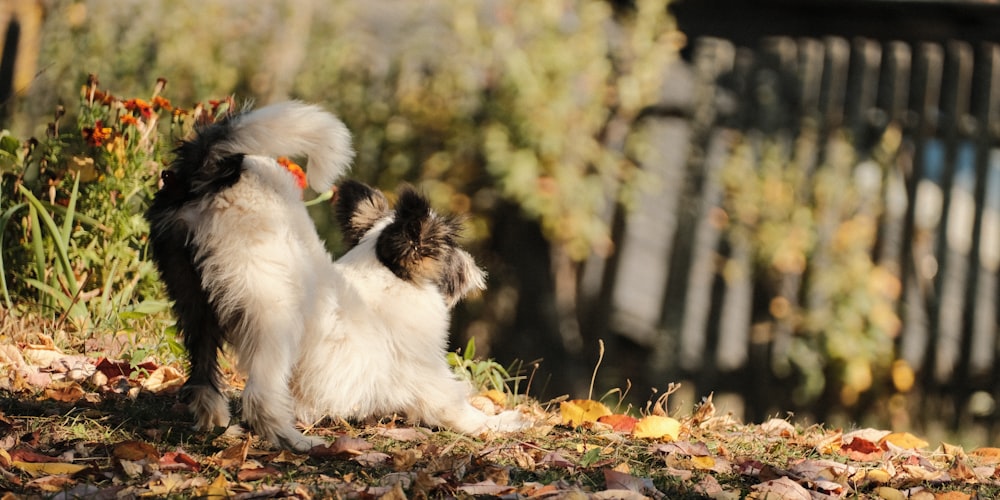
(414, 246)
(216, 175)
(357, 209)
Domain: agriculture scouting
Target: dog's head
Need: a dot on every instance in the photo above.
(418, 244)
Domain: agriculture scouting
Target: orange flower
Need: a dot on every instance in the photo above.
(160, 102)
(129, 120)
(140, 106)
(96, 135)
(300, 175)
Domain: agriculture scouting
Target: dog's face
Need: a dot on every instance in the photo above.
(418, 245)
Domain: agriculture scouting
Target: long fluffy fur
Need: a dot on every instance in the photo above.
(240, 257)
(382, 349)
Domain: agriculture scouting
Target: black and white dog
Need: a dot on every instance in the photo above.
(241, 259)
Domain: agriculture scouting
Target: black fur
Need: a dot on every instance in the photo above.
(357, 209)
(194, 174)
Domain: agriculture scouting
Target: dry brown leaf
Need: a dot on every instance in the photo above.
(830, 443)
(164, 379)
(952, 495)
(234, 456)
(66, 392)
(257, 473)
(782, 488)
(778, 427)
(135, 451)
(404, 433)
(986, 456)
(51, 484)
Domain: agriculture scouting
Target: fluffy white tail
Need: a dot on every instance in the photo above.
(292, 129)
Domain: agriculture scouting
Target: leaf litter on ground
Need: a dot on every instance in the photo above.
(76, 426)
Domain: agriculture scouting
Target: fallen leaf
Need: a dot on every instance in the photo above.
(619, 423)
(66, 392)
(47, 468)
(830, 443)
(861, 449)
(657, 427)
(28, 455)
(887, 493)
(903, 440)
(257, 473)
(688, 448)
(343, 446)
(778, 427)
(218, 489)
(485, 488)
(234, 456)
(405, 433)
(178, 460)
(782, 488)
(135, 451)
(51, 484)
(952, 495)
(703, 463)
(986, 456)
(575, 412)
(372, 458)
(164, 379)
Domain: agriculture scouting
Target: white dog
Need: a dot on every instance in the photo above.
(241, 259)
(381, 343)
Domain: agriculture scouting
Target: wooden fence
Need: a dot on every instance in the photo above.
(923, 74)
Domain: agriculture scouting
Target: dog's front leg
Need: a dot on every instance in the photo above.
(203, 390)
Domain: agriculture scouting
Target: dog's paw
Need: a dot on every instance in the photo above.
(507, 421)
(209, 406)
(299, 442)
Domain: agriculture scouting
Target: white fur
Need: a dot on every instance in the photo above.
(381, 351)
(260, 259)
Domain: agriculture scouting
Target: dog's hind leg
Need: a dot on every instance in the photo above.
(267, 359)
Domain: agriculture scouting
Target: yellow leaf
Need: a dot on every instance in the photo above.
(904, 440)
(4, 458)
(878, 475)
(703, 463)
(48, 468)
(887, 493)
(219, 488)
(657, 427)
(575, 412)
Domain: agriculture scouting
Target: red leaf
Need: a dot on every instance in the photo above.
(178, 460)
(619, 423)
(30, 456)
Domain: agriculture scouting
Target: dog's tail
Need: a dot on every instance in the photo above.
(293, 129)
